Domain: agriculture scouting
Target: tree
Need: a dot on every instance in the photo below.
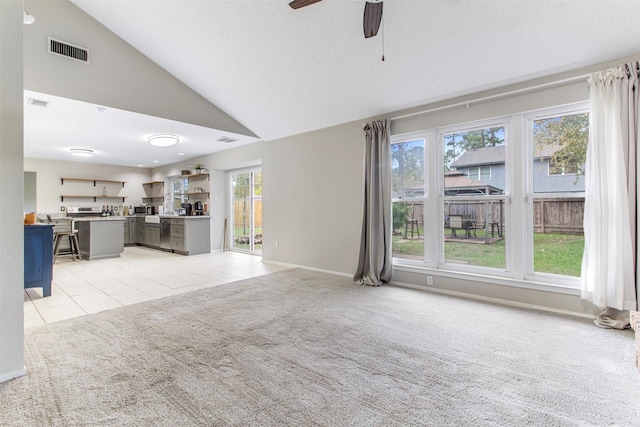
(569, 134)
(407, 164)
(457, 144)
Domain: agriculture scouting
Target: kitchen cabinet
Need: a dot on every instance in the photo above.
(95, 197)
(38, 257)
(100, 238)
(142, 232)
(153, 235)
(190, 235)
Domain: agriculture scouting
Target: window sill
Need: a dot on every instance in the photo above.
(531, 284)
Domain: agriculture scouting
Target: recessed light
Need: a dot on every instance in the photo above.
(140, 166)
(180, 154)
(156, 161)
(81, 152)
(163, 140)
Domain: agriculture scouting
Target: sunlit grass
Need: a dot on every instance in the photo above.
(554, 253)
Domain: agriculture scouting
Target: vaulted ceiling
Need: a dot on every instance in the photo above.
(281, 72)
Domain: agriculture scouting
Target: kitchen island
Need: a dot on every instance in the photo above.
(100, 238)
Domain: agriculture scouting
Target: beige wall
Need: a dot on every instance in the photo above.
(117, 75)
(49, 187)
(11, 192)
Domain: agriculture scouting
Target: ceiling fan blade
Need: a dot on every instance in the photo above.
(297, 4)
(372, 18)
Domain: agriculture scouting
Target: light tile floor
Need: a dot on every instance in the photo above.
(83, 287)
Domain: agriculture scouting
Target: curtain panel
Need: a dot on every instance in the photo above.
(609, 267)
(374, 261)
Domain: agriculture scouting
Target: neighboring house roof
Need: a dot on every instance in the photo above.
(456, 182)
(480, 156)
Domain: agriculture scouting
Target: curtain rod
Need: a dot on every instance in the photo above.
(496, 96)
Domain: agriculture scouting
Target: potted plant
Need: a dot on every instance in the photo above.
(198, 167)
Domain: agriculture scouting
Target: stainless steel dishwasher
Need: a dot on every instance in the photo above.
(165, 233)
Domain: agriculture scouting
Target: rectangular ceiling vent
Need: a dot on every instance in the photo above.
(58, 47)
(38, 102)
(227, 139)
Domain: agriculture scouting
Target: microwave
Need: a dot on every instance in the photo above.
(144, 210)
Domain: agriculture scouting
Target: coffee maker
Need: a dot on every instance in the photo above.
(188, 209)
(198, 208)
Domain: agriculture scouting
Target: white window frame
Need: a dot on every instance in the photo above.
(530, 196)
(478, 170)
(398, 140)
(504, 122)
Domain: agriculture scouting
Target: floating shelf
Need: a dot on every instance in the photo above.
(91, 180)
(196, 175)
(95, 198)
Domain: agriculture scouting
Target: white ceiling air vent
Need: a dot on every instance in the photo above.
(58, 47)
(227, 139)
(38, 102)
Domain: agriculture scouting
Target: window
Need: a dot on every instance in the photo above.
(478, 197)
(408, 193)
(473, 204)
(563, 166)
(559, 146)
(482, 173)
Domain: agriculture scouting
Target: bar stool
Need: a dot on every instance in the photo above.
(72, 235)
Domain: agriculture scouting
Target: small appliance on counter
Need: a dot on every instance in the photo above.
(140, 210)
(198, 208)
(188, 209)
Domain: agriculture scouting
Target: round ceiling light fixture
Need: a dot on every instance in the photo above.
(81, 152)
(163, 140)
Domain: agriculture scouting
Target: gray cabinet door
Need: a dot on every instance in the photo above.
(153, 235)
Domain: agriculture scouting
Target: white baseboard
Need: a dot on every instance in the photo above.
(493, 300)
(11, 375)
(447, 292)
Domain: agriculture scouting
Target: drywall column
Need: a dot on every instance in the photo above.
(11, 191)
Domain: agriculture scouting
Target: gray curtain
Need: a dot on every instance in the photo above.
(374, 263)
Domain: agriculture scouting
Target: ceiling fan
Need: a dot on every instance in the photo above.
(370, 21)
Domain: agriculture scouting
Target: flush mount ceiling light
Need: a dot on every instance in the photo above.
(81, 152)
(163, 140)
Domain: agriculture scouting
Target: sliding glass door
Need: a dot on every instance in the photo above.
(246, 211)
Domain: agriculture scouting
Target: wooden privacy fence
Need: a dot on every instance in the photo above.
(242, 212)
(564, 215)
(558, 216)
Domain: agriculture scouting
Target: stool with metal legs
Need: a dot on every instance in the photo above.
(73, 244)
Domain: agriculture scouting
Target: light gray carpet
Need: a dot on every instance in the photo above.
(304, 348)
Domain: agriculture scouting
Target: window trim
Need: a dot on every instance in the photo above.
(530, 196)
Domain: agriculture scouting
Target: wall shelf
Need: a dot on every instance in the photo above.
(91, 180)
(95, 198)
(196, 175)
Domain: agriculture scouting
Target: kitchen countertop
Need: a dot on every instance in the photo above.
(99, 218)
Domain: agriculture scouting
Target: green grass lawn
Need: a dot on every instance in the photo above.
(553, 253)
